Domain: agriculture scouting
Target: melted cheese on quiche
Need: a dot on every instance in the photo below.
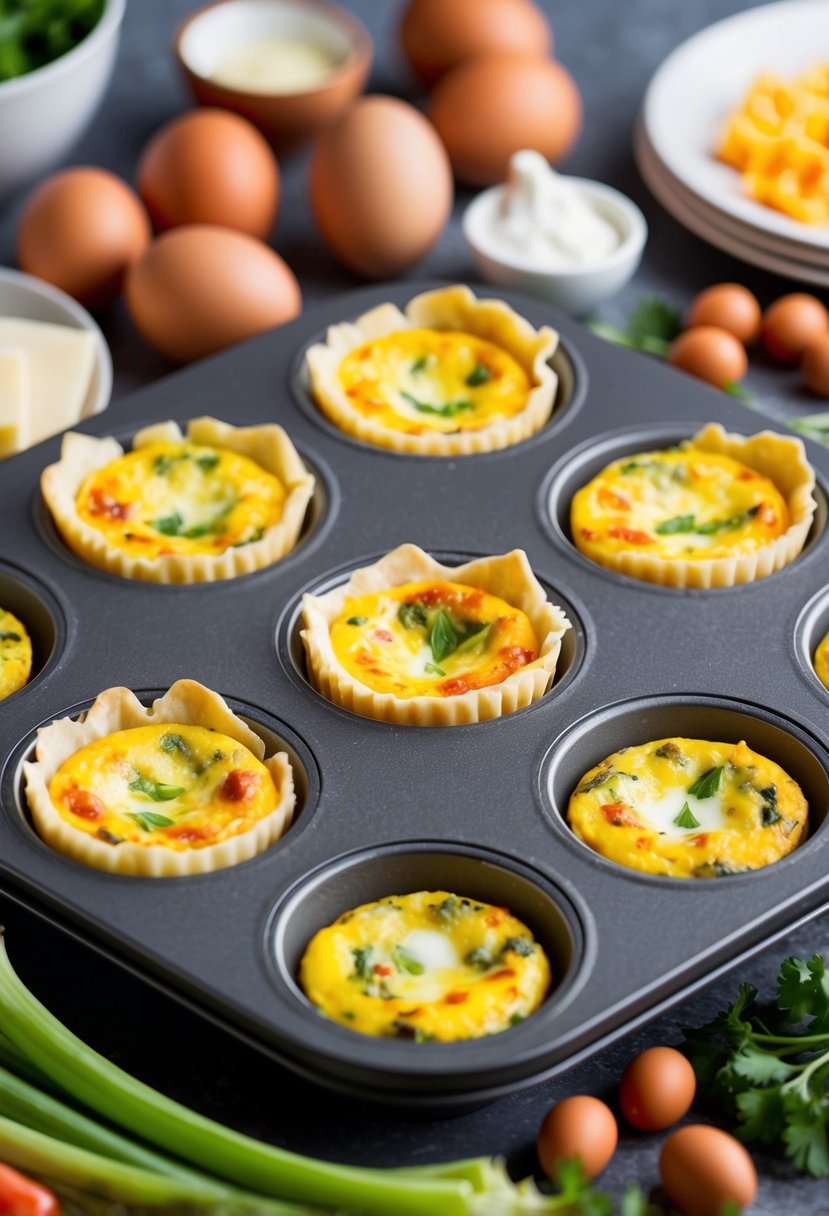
(432, 639)
(680, 503)
(180, 498)
(689, 809)
(15, 654)
(822, 661)
(430, 965)
(183, 787)
(422, 380)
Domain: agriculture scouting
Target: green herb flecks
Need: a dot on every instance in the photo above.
(671, 751)
(420, 364)
(173, 525)
(411, 616)
(451, 909)
(362, 956)
(707, 784)
(208, 462)
(404, 960)
(651, 328)
(148, 820)
(601, 777)
(255, 535)
(688, 523)
(768, 1069)
(480, 958)
(522, 946)
(214, 758)
(479, 375)
(163, 464)
(769, 811)
(686, 818)
(442, 637)
(716, 869)
(432, 669)
(171, 743)
(156, 790)
(9, 635)
(679, 523)
(356, 620)
(449, 410)
(37, 32)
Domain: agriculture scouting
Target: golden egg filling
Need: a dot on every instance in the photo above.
(448, 376)
(822, 661)
(215, 503)
(426, 966)
(688, 808)
(718, 510)
(182, 787)
(15, 654)
(412, 641)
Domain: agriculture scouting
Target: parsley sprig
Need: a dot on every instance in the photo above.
(651, 327)
(770, 1073)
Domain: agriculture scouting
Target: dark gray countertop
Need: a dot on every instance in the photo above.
(611, 49)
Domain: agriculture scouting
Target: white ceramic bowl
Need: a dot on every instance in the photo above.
(43, 113)
(574, 290)
(22, 295)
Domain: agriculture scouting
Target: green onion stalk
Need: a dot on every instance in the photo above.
(476, 1187)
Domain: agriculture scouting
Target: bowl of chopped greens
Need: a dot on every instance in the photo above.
(56, 58)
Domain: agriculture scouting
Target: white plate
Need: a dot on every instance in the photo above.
(692, 93)
(690, 218)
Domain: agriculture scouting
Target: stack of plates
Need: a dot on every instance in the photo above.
(682, 117)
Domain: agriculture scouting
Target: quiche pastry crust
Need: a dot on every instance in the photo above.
(453, 309)
(116, 709)
(508, 576)
(780, 458)
(268, 445)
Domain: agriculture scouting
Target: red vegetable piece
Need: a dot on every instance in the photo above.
(21, 1197)
(239, 786)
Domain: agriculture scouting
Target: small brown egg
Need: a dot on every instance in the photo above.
(657, 1089)
(581, 1127)
(702, 1168)
(381, 187)
(728, 306)
(709, 354)
(437, 36)
(81, 230)
(791, 323)
(199, 289)
(489, 108)
(815, 365)
(210, 167)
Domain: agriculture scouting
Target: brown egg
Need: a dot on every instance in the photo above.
(437, 35)
(581, 1127)
(381, 187)
(709, 354)
(210, 167)
(728, 306)
(702, 1168)
(81, 230)
(657, 1089)
(199, 289)
(791, 323)
(815, 365)
(489, 108)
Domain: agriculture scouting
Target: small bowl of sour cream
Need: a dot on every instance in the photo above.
(289, 66)
(572, 241)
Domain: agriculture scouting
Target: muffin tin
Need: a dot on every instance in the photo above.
(386, 809)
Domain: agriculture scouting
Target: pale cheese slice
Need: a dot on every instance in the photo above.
(61, 361)
(14, 402)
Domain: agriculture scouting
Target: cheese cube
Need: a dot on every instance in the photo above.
(14, 402)
(61, 361)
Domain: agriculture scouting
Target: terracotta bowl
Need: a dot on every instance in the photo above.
(288, 119)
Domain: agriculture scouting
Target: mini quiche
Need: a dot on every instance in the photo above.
(821, 660)
(429, 965)
(408, 640)
(449, 376)
(15, 654)
(180, 788)
(216, 503)
(718, 510)
(688, 808)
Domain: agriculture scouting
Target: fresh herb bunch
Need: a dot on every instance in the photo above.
(651, 327)
(813, 426)
(34, 32)
(769, 1069)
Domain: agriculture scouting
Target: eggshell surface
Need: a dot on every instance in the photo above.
(702, 1168)
(657, 1089)
(728, 306)
(491, 107)
(710, 354)
(437, 36)
(381, 187)
(199, 289)
(580, 1126)
(210, 167)
(815, 365)
(81, 230)
(791, 323)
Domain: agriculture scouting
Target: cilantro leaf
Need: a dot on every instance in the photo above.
(707, 784)
(686, 818)
(803, 990)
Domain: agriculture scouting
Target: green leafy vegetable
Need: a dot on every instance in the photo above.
(522, 946)
(157, 790)
(412, 615)
(479, 375)
(419, 364)
(9, 635)
(356, 620)
(476, 638)
(36, 32)
(169, 525)
(651, 327)
(174, 743)
(679, 523)
(167, 461)
(736, 390)
(432, 669)
(481, 958)
(442, 637)
(362, 956)
(686, 818)
(208, 462)
(449, 410)
(815, 426)
(771, 1073)
(404, 960)
(688, 523)
(707, 784)
(148, 820)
